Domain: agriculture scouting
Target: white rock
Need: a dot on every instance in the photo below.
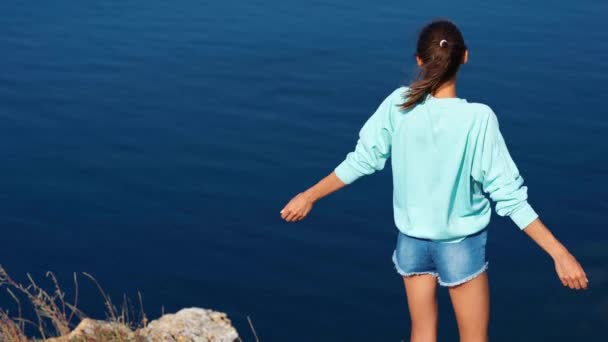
(190, 325)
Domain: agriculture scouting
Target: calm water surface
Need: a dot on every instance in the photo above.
(152, 144)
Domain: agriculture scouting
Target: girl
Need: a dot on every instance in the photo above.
(446, 153)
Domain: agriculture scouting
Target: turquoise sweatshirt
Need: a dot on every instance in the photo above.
(446, 153)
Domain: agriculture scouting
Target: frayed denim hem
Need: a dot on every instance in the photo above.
(459, 282)
(434, 274)
(407, 274)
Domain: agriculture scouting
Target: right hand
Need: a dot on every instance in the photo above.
(570, 272)
(297, 208)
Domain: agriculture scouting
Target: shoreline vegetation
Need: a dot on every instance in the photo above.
(58, 319)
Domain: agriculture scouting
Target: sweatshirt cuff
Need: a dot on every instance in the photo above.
(524, 216)
(346, 173)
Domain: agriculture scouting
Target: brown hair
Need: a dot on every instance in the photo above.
(441, 48)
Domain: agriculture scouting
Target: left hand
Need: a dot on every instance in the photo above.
(297, 208)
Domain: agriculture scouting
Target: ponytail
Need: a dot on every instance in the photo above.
(441, 49)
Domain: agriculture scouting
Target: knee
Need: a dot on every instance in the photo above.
(424, 331)
(473, 332)
(474, 339)
(423, 337)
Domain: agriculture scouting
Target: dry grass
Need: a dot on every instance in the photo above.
(55, 315)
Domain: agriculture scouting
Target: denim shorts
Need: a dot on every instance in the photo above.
(452, 263)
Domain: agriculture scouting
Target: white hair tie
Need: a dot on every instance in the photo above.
(443, 43)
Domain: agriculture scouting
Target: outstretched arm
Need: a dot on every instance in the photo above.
(372, 150)
(499, 175)
(569, 271)
(302, 203)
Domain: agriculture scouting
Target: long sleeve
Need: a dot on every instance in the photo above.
(373, 147)
(495, 170)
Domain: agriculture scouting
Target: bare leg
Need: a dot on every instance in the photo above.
(421, 291)
(471, 301)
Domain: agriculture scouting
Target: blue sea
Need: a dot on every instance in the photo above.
(153, 143)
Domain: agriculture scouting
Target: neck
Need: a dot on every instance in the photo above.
(446, 89)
